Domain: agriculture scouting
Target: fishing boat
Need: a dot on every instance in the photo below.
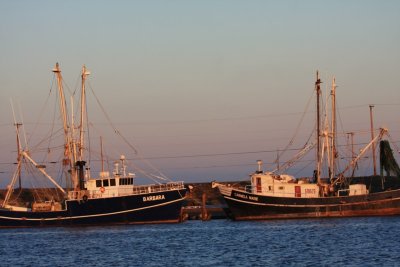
(278, 195)
(108, 199)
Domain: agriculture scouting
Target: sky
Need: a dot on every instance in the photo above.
(203, 88)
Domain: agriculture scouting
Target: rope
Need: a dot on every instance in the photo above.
(135, 150)
(297, 128)
(116, 131)
(36, 125)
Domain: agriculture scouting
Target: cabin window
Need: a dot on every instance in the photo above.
(105, 182)
(125, 181)
(270, 188)
(112, 182)
(281, 188)
(98, 183)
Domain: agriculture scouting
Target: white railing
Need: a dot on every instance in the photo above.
(124, 191)
(145, 189)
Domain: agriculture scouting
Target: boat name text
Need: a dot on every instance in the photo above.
(153, 198)
(246, 197)
(310, 191)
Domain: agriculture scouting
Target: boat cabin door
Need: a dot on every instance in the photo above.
(297, 191)
(258, 184)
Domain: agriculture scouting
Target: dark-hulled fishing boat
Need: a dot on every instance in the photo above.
(109, 199)
(274, 195)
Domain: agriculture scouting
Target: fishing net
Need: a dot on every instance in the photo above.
(388, 162)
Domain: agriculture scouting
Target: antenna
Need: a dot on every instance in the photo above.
(101, 154)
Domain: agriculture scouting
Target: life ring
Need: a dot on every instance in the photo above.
(85, 198)
(102, 189)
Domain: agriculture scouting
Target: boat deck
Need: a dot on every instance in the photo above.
(125, 191)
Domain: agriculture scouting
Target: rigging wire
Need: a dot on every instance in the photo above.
(297, 128)
(129, 162)
(338, 113)
(212, 154)
(22, 121)
(116, 131)
(310, 162)
(41, 113)
(88, 134)
(52, 133)
(135, 150)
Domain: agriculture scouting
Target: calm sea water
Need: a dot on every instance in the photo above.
(323, 242)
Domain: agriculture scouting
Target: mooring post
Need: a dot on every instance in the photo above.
(204, 215)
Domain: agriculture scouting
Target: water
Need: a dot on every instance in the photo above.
(322, 242)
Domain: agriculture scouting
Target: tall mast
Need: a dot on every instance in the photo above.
(333, 126)
(69, 158)
(73, 142)
(372, 137)
(63, 111)
(80, 163)
(83, 113)
(17, 125)
(318, 91)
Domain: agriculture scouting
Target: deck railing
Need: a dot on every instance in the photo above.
(124, 191)
(145, 189)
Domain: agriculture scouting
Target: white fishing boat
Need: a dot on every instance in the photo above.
(277, 195)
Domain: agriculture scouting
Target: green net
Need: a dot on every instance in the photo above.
(388, 162)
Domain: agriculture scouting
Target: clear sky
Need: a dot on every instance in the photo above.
(204, 88)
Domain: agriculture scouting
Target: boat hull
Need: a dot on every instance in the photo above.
(247, 206)
(160, 207)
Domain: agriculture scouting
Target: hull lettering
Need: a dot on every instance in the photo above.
(153, 198)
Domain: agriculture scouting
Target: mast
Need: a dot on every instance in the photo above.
(101, 154)
(17, 125)
(73, 141)
(333, 127)
(372, 137)
(69, 159)
(63, 110)
(318, 91)
(17, 173)
(80, 163)
(83, 113)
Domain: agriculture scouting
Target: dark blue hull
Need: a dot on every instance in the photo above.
(247, 206)
(160, 207)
